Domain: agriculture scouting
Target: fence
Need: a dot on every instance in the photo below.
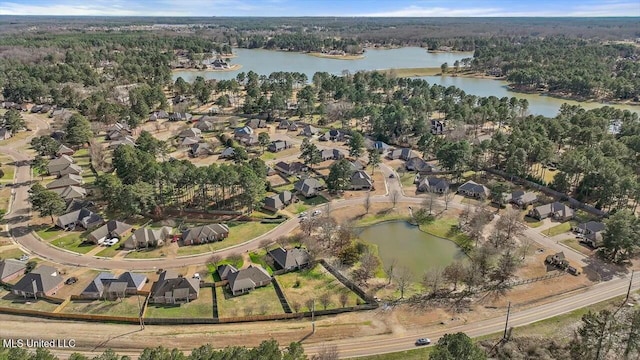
(348, 283)
(540, 278)
(61, 316)
(281, 296)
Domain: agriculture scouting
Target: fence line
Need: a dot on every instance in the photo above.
(281, 296)
(348, 283)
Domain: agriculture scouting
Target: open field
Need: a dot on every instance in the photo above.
(303, 285)
(6, 164)
(238, 233)
(152, 253)
(202, 307)
(5, 195)
(73, 242)
(7, 299)
(128, 306)
(261, 301)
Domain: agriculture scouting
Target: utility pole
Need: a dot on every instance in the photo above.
(313, 322)
(626, 300)
(506, 324)
(140, 313)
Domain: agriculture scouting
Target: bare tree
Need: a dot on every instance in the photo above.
(368, 265)
(509, 224)
(395, 197)
(391, 267)
(344, 298)
(295, 306)
(97, 155)
(309, 303)
(432, 279)
(453, 273)
(526, 243)
(448, 196)
(264, 244)
(367, 202)
(327, 352)
(214, 260)
(404, 279)
(325, 300)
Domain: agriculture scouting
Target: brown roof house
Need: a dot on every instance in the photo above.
(474, 190)
(42, 281)
(146, 237)
(278, 201)
(555, 210)
(244, 280)
(11, 269)
(288, 260)
(433, 185)
(361, 180)
(172, 288)
(110, 230)
(66, 180)
(205, 234)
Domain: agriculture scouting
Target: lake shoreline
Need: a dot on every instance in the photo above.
(336, 57)
(562, 96)
(233, 67)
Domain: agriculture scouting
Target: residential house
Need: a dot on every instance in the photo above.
(146, 237)
(36, 109)
(256, 123)
(95, 289)
(112, 229)
(205, 125)
(177, 100)
(126, 140)
(205, 234)
(270, 171)
(293, 126)
(58, 135)
(219, 64)
(79, 204)
(66, 180)
(284, 124)
(157, 115)
(278, 201)
(118, 131)
(361, 180)
(378, 145)
(474, 190)
(193, 132)
(54, 166)
(437, 127)
(71, 169)
(180, 116)
(279, 145)
(244, 280)
(5, 133)
(331, 154)
(189, 141)
(419, 165)
(521, 198)
(404, 154)
(309, 130)
(289, 169)
(200, 149)
(433, 185)
(242, 132)
(289, 260)
(592, 232)
(555, 210)
(11, 269)
(228, 153)
(84, 218)
(250, 140)
(172, 288)
(42, 281)
(61, 114)
(71, 192)
(333, 135)
(308, 187)
(45, 109)
(356, 165)
(64, 150)
(225, 270)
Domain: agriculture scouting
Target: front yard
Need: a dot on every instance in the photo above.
(238, 234)
(73, 242)
(261, 301)
(577, 245)
(304, 285)
(110, 251)
(305, 203)
(200, 308)
(559, 229)
(129, 307)
(49, 233)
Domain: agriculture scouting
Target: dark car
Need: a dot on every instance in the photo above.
(423, 341)
(71, 280)
(391, 176)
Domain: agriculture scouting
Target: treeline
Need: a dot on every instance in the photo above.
(587, 69)
(300, 42)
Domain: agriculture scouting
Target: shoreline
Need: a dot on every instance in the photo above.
(233, 67)
(604, 102)
(336, 57)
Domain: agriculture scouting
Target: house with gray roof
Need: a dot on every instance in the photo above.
(404, 154)
(356, 165)
(289, 260)
(381, 146)
(433, 185)
(66, 180)
(5, 133)
(205, 125)
(278, 201)
(180, 117)
(228, 153)
(292, 168)
(244, 280)
(125, 140)
(146, 237)
(205, 234)
(54, 166)
(592, 232)
(200, 149)
(189, 141)
(474, 190)
(361, 180)
(333, 135)
(284, 124)
(108, 286)
(172, 288)
(157, 115)
(72, 169)
(308, 187)
(555, 210)
(331, 154)
(112, 229)
(95, 289)
(242, 132)
(225, 270)
(190, 132)
(309, 130)
(419, 165)
(42, 281)
(64, 150)
(521, 198)
(71, 192)
(279, 145)
(256, 123)
(11, 269)
(84, 218)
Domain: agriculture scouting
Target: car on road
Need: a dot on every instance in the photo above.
(392, 176)
(423, 341)
(71, 280)
(317, 212)
(303, 214)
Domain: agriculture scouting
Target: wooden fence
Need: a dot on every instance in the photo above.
(348, 283)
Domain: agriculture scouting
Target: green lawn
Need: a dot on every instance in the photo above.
(9, 170)
(261, 301)
(559, 229)
(305, 204)
(446, 228)
(577, 245)
(238, 233)
(531, 222)
(110, 251)
(380, 216)
(147, 254)
(18, 302)
(73, 242)
(11, 254)
(407, 178)
(202, 307)
(417, 354)
(268, 155)
(284, 187)
(49, 233)
(124, 307)
(258, 257)
(235, 261)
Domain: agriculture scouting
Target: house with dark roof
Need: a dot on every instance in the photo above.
(309, 130)
(331, 154)
(71, 192)
(42, 281)
(555, 210)
(437, 127)
(190, 132)
(126, 140)
(66, 180)
(433, 185)
(244, 280)
(95, 289)
(189, 141)
(591, 232)
(225, 270)
(72, 169)
(256, 123)
(5, 133)
(172, 288)
(521, 198)
(404, 154)
(356, 165)
(54, 166)
(146, 237)
(279, 145)
(289, 260)
(64, 150)
(200, 149)
(333, 135)
(242, 132)
(205, 234)
(473, 190)
(308, 187)
(381, 146)
(205, 125)
(11, 269)
(419, 165)
(284, 124)
(84, 218)
(361, 180)
(289, 169)
(112, 229)
(157, 115)
(180, 117)
(293, 126)
(278, 201)
(228, 153)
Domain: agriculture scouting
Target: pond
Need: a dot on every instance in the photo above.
(411, 247)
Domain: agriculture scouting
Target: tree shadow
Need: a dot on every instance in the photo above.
(599, 270)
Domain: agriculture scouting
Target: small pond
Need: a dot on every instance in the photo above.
(411, 247)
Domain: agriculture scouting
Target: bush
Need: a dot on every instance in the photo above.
(297, 284)
(30, 266)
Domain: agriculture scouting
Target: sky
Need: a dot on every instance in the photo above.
(390, 8)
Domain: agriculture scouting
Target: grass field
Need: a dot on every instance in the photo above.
(73, 242)
(110, 251)
(531, 222)
(238, 233)
(303, 285)
(407, 179)
(148, 254)
(305, 204)
(17, 302)
(202, 307)
(417, 354)
(261, 301)
(445, 228)
(11, 254)
(49, 233)
(560, 228)
(125, 307)
(6, 164)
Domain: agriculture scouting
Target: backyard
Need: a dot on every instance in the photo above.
(9, 300)
(261, 301)
(200, 308)
(303, 285)
(73, 242)
(238, 233)
(129, 307)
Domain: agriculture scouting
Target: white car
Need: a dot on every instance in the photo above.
(303, 214)
(317, 212)
(196, 276)
(111, 242)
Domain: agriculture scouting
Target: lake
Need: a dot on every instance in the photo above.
(411, 247)
(264, 62)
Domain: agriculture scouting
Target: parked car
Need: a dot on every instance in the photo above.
(392, 176)
(423, 341)
(317, 212)
(302, 214)
(24, 257)
(71, 280)
(196, 276)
